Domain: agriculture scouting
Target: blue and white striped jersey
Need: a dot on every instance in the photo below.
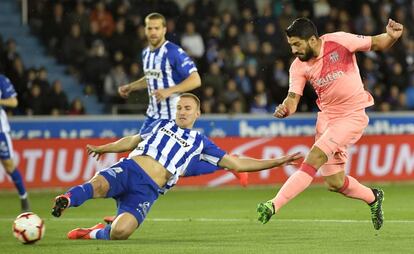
(6, 91)
(175, 147)
(165, 67)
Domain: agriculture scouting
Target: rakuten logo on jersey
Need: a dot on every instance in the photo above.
(328, 79)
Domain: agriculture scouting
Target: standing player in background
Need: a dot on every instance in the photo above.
(168, 71)
(158, 157)
(329, 63)
(8, 98)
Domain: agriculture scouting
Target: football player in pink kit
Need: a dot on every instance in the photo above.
(328, 63)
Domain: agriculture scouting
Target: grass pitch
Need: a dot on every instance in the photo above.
(223, 220)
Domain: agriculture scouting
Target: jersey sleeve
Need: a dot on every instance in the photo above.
(182, 63)
(297, 78)
(7, 88)
(198, 167)
(353, 42)
(211, 152)
(150, 128)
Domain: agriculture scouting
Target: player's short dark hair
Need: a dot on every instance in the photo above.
(302, 28)
(156, 15)
(192, 96)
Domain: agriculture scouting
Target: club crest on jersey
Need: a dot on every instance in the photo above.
(334, 57)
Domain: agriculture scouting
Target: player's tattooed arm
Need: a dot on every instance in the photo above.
(288, 107)
(291, 95)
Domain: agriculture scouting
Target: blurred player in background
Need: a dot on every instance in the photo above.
(161, 153)
(329, 64)
(168, 71)
(8, 98)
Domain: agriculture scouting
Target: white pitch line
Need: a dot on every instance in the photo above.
(227, 220)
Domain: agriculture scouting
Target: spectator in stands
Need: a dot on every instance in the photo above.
(77, 107)
(103, 18)
(74, 48)
(35, 101)
(119, 41)
(79, 16)
(115, 78)
(42, 80)
(54, 26)
(192, 42)
(57, 102)
(97, 65)
(93, 34)
(231, 93)
(214, 78)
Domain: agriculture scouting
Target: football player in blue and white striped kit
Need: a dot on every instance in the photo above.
(160, 154)
(8, 98)
(168, 71)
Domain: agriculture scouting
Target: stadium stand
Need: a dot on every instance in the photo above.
(239, 43)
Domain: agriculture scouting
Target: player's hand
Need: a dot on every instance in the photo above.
(95, 151)
(394, 29)
(161, 94)
(124, 91)
(281, 111)
(290, 159)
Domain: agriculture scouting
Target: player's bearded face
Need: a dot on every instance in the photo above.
(301, 48)
(308, 53)
(155, 32)
(187, 112)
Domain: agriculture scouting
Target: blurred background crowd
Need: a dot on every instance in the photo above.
(239, 47)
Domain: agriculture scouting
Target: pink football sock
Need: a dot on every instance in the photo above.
(353, 189)
(296, 183)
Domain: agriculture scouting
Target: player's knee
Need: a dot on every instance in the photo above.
(120, 233)
(334, 187)
(100, 186)
(8, 165)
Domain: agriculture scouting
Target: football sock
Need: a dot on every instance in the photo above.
(296, 183)
(79, 194)
(18, 182)
(103, 234)
(353, 189)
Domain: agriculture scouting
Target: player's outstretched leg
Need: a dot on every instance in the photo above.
(377, 215)
(86, 233)
(61, 203)
(265, 211)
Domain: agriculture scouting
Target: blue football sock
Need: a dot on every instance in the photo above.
(79, 194)
(18, 182)
(104, 234)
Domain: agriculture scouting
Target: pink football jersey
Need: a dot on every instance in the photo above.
(334, 74)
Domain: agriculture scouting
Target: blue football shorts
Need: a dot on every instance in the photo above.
(134, 191)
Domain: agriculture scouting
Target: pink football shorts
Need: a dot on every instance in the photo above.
(335, 134)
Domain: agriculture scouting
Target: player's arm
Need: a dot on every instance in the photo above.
(124, 144)
(288, 106)
(244, 164)
(139, 84)
(10, 102)
(190, 83)
(385, 40)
